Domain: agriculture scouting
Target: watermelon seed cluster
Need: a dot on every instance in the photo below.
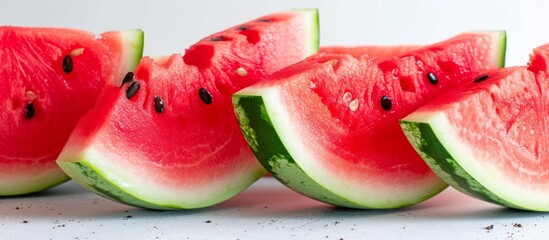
(481, 78)
(348, 98)
(432, 78)
(205, 96)
(134, 85)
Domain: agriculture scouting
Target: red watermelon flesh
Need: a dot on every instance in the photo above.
(49, 79)
(489, 138)
(371, 51)
(328, 126)
(176, 143)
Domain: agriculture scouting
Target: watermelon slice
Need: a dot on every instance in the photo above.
(169, 139)
(50, 78)
(328, 127)
(490, 140)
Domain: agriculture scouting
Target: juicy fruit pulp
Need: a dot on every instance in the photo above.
(174, 142)
(49, 79)
(328, 127)
(490, 140)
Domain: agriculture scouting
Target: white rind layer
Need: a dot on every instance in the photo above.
(141, 185)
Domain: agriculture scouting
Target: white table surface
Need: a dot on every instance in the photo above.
(267, 210)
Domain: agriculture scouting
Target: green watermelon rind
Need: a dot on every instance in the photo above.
(314, 30)
(500, 43)
(430, 134)
(32, 182)
(92, 179)
(104, 180)
(133, 39)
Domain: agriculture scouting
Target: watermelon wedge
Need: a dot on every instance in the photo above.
(489, 140)
(49, 79)
(169, 139)
(328, 126)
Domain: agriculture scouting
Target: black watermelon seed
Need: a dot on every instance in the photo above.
(205, 96)
(386, 103)
(29, 110)
(216, 39)
(128, 78)
(243, 28)
(481, 78)
(158, 104)
(67, 64)
(264, 20)
(432, 78)
(132, 89)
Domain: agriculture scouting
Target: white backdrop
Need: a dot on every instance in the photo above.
(171, 26)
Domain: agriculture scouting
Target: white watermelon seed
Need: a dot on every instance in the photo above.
(77, 52)
(312, 85)
(347, 97)
(31, 95)
(353, 105)
(241, 72)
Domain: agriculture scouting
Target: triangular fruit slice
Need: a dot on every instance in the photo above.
(328, 127)
(490, 140)
(50, 78)
(169, 139)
